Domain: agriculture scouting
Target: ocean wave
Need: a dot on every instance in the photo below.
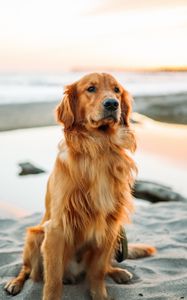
(25, 88)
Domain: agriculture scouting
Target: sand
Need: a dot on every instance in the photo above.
(26, 115)
(161, 277)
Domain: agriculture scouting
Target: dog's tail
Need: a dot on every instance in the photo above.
(140, 250)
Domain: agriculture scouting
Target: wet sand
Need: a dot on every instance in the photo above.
(167, 141)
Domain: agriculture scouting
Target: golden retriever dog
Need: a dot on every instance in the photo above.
(88, 196)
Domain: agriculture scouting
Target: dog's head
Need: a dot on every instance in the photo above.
(96, 101)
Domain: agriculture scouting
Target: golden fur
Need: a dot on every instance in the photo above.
(88, 194)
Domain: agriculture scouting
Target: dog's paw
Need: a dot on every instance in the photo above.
(13, 287)
(120, 276)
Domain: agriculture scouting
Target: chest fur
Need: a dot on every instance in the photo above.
(92, 191)
(99, 180)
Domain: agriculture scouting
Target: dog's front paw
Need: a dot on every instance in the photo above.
(13, 287)
(120, 276)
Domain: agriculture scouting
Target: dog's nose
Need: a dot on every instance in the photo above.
(111, 104)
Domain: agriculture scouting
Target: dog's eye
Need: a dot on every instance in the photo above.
(116, 89)
(91, 89)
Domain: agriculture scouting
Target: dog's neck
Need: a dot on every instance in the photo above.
(97, 143)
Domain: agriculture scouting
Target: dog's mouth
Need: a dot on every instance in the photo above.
(111, 118)
(103, 128)
(105, 123)
(110, 115)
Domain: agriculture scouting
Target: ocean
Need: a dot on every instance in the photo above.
(26, 88)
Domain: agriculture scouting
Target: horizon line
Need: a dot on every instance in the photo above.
(104, 68)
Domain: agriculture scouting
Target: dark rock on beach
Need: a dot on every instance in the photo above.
(165, 108)
(155, 192)
(27, 168)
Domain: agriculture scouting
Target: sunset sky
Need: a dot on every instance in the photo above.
(57, 35)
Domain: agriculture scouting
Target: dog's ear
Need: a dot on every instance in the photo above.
(65, 111)
(126, 108)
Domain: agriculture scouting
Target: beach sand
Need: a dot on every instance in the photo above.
(163, 225)
(161, 277)
(26, 115)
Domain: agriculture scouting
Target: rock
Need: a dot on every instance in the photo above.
(155, 192)
(165, 108)
(27, 168)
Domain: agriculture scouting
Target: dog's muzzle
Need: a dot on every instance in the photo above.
(110, 108)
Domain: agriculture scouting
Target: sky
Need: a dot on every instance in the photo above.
(58, 35)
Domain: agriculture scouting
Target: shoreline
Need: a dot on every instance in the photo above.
(27, 115)
(170, 108)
